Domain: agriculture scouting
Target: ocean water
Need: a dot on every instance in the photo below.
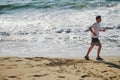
(57, 28)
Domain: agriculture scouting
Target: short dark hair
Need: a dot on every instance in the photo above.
(98, 17)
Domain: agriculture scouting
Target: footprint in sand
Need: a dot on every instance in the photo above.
(12, 76)
(84, 76)
(29, 58)
(104, 71)
(61, 76)
(9, 67)
(18, 60)
(37, 75)
(112, 77)
(110, 66)
(6, 58)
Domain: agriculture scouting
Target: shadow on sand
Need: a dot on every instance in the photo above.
(110, 64)
(61, 62)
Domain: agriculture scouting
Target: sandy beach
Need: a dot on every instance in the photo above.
(41, 68)
(48, 39)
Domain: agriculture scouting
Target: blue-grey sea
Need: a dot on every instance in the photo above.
(57, 28)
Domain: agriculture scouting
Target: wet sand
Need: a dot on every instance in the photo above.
(41, 68)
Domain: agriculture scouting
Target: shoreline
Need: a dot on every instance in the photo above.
(61, 57)
(45, 68)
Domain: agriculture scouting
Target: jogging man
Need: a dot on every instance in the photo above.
(94, 29)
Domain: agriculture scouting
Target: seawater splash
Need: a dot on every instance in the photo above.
(56, 28)
(6, 5)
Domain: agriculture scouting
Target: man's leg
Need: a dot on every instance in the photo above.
(99, 49)
(98, 52)
(89, 50)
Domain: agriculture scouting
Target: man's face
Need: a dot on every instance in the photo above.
(99, 20)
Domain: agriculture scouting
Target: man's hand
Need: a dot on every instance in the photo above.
(103, 30)
(94, 33)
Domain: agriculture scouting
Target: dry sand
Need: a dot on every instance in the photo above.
(40, 68)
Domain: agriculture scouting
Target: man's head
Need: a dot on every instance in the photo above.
(98, 19)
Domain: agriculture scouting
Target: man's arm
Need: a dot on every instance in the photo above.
(103, 30)
(90, 28)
